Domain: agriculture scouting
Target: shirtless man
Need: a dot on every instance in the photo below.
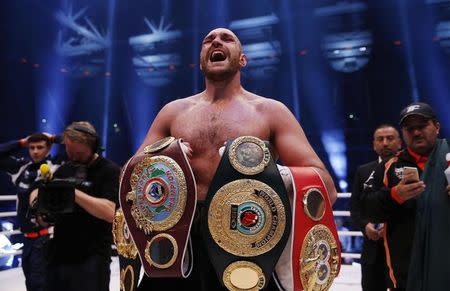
(225, 111)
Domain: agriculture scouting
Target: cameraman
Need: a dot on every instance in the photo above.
(80, 252)
(24, 172)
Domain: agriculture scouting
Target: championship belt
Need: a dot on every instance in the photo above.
(158, 198)
(247, 218)
(315, 248)
(129, 263)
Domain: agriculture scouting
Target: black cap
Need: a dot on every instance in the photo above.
(417, 108)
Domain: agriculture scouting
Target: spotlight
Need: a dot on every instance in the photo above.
(256, 35)
(343, 185)
(116, 128)
(348, 51)
(347, 43)
(156, 57)
(81, 43)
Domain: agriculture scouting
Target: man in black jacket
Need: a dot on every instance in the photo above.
(415, 210)
(386, 142)
(80, 251)
(24, 171)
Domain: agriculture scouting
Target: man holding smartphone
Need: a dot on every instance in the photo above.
(386, 143)
(414, 207)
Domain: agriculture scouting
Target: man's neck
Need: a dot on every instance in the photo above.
(224, 89)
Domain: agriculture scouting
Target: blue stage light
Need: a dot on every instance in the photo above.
(82, 44)
(334, 143)
(261, 48)
(156, 56)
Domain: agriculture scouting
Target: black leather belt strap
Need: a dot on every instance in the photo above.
(222, 259)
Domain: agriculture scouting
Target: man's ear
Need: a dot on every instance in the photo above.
(243, 60)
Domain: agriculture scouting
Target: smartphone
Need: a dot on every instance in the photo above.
(413, 170)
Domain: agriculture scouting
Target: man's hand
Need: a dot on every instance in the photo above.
(409, 187)
(33, 197)
(448, 189)
(371, 232)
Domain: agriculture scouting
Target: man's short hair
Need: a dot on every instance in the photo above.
(385, 125)
(37, 137)
(82, 132)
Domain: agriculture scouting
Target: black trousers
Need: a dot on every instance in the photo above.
(92, 274)
(34, 263)
(374, 276)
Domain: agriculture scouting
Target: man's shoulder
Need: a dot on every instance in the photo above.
(267, 104)
(180, 105)
(369, 165)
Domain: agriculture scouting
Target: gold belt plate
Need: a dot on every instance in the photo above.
(246, 218)
(122, 236)
(158, 195)
(319, 259)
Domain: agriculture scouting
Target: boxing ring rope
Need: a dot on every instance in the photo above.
(336, 213)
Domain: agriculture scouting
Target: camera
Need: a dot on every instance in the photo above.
(57, 198)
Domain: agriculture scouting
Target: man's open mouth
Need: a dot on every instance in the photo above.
(217, 56)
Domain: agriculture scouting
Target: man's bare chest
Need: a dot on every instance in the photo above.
(209, 130)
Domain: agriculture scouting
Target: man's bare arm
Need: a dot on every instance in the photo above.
(292, 145)
(101, 208)
(160, 127)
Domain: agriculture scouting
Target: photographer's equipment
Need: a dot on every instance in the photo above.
(56, 197)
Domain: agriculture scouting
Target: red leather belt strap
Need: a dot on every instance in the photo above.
(305, 178)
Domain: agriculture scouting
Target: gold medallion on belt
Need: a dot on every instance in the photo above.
(158, 194)
(319, 260)
(243, 275)
(246, 218)
(122, 237)
(248, 155)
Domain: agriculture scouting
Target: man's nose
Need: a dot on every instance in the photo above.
(216, 42)
(416, 131)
